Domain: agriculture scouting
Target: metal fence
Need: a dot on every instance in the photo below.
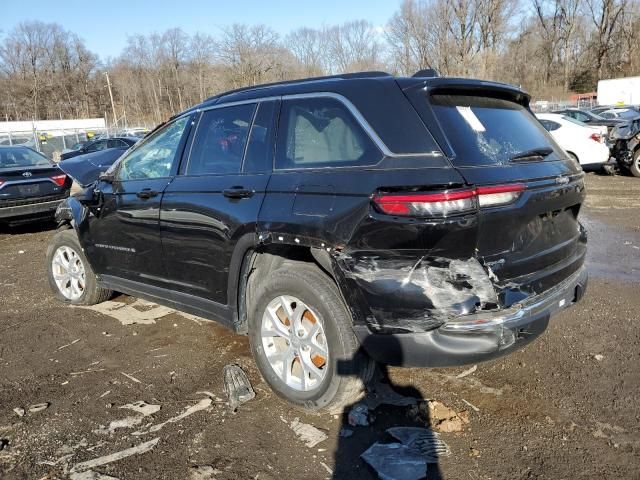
(53, 142)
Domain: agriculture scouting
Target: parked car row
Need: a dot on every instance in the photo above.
(622, 135)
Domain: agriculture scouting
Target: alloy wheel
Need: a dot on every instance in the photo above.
(68, 272)
(294, 343)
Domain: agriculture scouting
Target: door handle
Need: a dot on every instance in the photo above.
(237, 192)
(146, 193)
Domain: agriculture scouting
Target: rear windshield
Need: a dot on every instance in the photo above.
(21, 157)
(486, 130)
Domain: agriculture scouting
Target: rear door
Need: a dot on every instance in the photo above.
(535, 241)
(217, 197)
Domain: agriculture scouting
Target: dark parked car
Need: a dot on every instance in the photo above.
(31, 186)
(101, 144)
(337, 221)
(589, 118)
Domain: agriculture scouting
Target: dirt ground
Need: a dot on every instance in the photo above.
(565, 407)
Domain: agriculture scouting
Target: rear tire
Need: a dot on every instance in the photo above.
(634, 168)
(306, 293)
(69, 273)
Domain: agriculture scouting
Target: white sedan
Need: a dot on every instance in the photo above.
(584, 143)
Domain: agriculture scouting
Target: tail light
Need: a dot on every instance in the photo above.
(447, 203)
(1, 182)
(59, 179)
(596, 137)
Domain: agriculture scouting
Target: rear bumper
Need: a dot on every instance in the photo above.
(478, 337)
(30, 209)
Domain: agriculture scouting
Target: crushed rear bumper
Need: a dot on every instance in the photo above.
(478, 337)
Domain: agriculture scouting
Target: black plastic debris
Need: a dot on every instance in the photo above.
(4, 443)
(237, 386)
(409, 459)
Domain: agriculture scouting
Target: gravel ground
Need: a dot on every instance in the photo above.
(565, 407)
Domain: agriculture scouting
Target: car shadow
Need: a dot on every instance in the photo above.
(353, 441)
(30, 226)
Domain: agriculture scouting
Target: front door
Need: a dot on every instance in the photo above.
(217, 197)
(123, 238)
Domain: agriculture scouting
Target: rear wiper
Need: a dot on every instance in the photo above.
(533, 153)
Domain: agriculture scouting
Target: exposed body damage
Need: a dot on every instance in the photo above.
(406, 296)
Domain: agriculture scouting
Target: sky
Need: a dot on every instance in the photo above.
(104, 26)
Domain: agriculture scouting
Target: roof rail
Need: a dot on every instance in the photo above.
(343, 76)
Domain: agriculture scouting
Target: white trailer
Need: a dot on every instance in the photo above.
(619, 91)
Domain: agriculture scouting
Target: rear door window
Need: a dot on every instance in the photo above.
(486, 130)
(322, 132)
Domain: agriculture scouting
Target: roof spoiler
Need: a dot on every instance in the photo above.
(426, 73)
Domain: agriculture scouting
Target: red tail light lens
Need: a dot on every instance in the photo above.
(596, 137)
(441, 204)
(447, 203)
(59, 179)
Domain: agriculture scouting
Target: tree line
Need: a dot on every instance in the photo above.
(549, 47)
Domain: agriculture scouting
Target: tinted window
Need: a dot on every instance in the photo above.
(154, 157)
(220, 140)
(321, 132)
(485, 130)
(583, 117)
(96, 146)
(259, 156)
(607, 115)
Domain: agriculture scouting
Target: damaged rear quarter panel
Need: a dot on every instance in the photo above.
(396, 274)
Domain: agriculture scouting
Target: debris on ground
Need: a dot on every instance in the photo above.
(131, 377)
(445, 419)
(440, 417)
(19, 411)
(327, 468)
(382, 393)
(358, 415)
(409, 459)
(69, 344)
(38, 407)
(309, 434)
(203, 472)
(114, 457)
(599, 357)
(345, 432)
(237, 386)
(201, 405)
(469, 404)
(4, 443)
(467, 372)
(90, 475)
(142, 407)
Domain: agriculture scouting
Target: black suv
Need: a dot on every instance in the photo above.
(340, 220)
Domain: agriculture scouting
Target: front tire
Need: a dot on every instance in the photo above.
(634, 168)
(69, 273)
(303, 342)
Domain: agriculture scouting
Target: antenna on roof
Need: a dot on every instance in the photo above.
(426, 73)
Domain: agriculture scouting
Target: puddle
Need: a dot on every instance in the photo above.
(613, 252)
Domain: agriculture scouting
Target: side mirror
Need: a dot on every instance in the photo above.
(107, 177)
(90, 196)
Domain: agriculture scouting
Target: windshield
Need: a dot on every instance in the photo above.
(487, 131)
(21, 157)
